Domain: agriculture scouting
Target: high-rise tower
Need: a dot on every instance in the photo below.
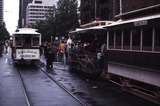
(1, 11)
(39, 10)
(22, 12)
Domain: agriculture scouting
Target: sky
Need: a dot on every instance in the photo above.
(11, 14)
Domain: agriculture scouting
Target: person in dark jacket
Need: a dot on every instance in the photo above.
(49, 56)
(1, 48)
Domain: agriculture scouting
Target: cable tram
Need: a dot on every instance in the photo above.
(132, 53)
(88, 51)
(26, 45)
(135, 45)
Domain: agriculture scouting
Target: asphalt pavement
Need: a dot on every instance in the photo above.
(11, 91)
(41, 91)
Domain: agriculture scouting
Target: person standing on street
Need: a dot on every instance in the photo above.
(61, 50)
(69, 48)
(1, 48)
(6, 46)
(49, 56)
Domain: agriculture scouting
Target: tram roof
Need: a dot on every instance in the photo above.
(121, 22)
(27, 31)
(81, 30)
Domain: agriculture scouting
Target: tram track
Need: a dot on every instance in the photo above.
(28, 100)
(62, 87)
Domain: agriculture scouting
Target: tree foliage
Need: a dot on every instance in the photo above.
(66, 15)
(4, 34)
(63, 19)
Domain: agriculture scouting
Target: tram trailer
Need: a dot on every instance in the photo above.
(135, 44)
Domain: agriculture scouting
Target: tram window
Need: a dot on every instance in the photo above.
(126, 39)
(147, 38)
(35, 41)
(18, 41)
(90, 42)
(27, 41)
(111, 40)
(101, 39)
(157, 38)
(118, 39)
(136, 39)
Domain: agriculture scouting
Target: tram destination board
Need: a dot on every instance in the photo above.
(27, 53)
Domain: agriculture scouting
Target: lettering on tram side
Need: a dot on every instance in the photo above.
(140, 23)
(27, 53)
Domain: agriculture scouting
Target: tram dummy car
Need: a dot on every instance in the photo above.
(87, 55)
(26, 45)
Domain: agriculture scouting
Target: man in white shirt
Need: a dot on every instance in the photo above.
(69, 43)
(69, 47)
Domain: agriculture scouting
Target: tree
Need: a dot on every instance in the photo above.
(66, 16)
(47, 28)
(63, 19)
(4, 34)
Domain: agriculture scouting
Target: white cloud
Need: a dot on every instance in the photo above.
(11, 14)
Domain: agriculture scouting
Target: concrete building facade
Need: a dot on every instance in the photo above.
(22, 12)
(1, 11)
(117, 9)
(96, 10)
(137, 8)
(39, 10)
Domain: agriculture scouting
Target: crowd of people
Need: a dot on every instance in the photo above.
(61, 51)
(54, 52)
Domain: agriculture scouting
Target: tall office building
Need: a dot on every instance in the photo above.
(1, 11)
(39, 10)
(96, 9)
(22, 12)
(137, 8)
(116, 9)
